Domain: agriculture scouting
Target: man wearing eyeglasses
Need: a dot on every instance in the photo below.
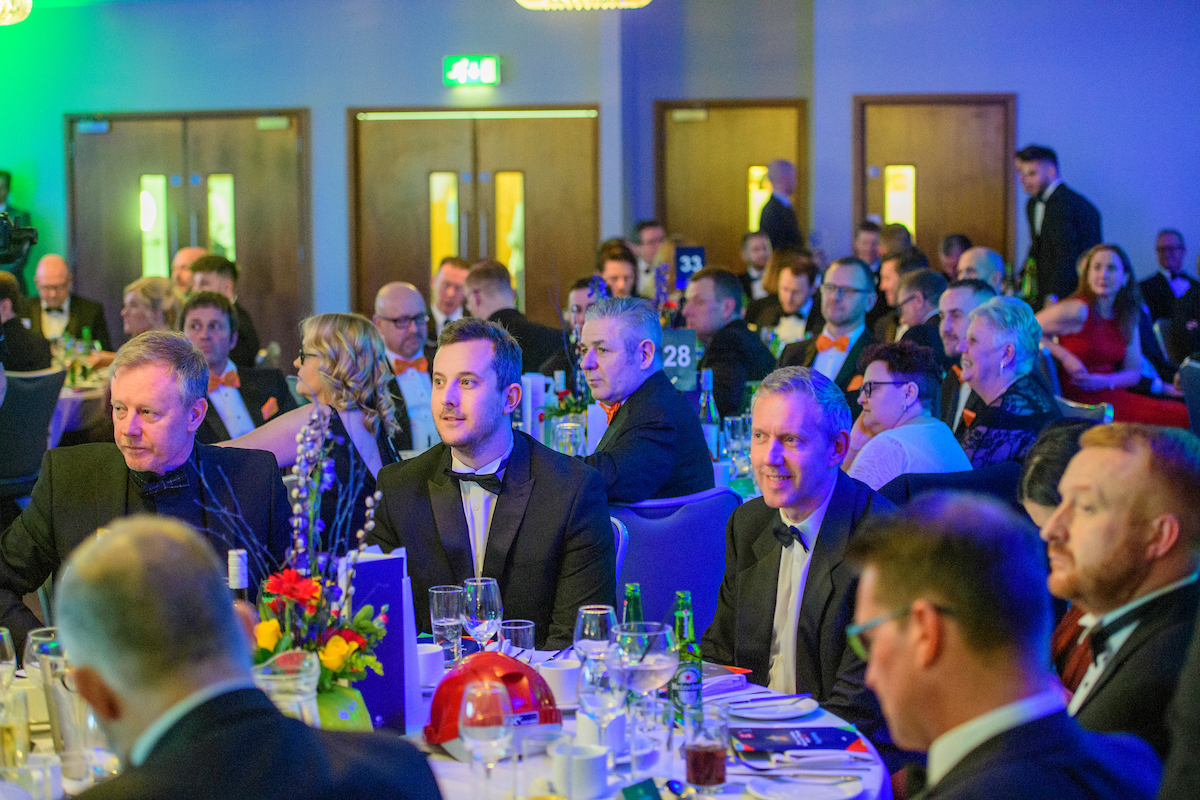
(400, 319)
(953, 619)
(847, 294)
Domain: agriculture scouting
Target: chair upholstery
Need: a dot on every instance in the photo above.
(621, 540)
(1101, 412)
(25, 427)
(1189, 376)
(677, 543)
(1049, 369)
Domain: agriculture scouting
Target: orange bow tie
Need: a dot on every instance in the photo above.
(610, 410)
(400, 366)
(229, 379)
(957, 371)
(841, 343)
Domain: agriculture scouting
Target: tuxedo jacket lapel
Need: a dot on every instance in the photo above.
(510, 509)
(109, 502)
(252, 397)
(214, 423)
(758, 587)
(818, 585)
(450, 520)
(850, 365)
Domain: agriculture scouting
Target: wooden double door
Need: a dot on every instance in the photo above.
(143, 186)
(517, 185)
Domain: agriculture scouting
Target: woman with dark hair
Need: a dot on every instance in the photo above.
(896, 433)
(1098, 347)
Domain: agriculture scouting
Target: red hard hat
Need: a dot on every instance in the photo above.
(532, 701)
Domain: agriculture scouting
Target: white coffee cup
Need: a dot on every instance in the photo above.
(589, 770)
(562, 676)
(431, 663)
(587, 732)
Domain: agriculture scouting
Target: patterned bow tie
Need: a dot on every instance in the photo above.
(489, 482)
(400, 366)
(786, 534)
(841, 343)
(229, 379)
(152, 485)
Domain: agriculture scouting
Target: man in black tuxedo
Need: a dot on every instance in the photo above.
(213, 273)
(57, 311)
(490, 296)
(490, 503)
(778, 218)
(235, 497)
(583, 295)
(1161, 289)
(239, 400)
(23, 351)
(954, 619)
(654, 446)
(1062, 223)
(787, 595)
(956, 303)
(794, 311)
(892, 267)
(847, 294)
(1123, 547)
(756, 252)
(917, 297)
(400, 319)
(735, 354)
(447, 291)
(173, 691)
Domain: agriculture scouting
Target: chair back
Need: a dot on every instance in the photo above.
(621, 540)
(1189, 376)
(677, 543)
(1162, 335)
(1049, 369)
(1101, 412)
(25, 427)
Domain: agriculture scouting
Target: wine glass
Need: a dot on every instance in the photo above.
(485, 724)
(593, 629)
(601, 694)
(482, 609)
(568, 438)
(35, 642)
(8, 660)
(646, 657)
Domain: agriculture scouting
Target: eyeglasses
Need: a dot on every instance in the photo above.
(833, 290)
(869, 386)
(861, 646)
(907, 300)
(404, 322)
(304, 355)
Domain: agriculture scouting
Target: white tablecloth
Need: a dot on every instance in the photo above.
(76, 409)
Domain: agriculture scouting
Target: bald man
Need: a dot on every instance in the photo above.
(984, 264)
(57, 311)
(181, 267)
(401, 318)
(778, 220)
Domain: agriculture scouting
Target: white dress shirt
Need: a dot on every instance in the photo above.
(964, 391)
(830, 362)
(757, 292)
(54, 323)
(954, 745)
(417, 389)
(1039, 208)
(230, 406)
(791, 328)
(1179, 283)
(158, 729)
(789, 592)
(479, 505)
(440, 319)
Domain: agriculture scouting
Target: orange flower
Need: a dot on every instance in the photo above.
(291, 584)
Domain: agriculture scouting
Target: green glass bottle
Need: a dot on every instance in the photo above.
(632, 609)
(686, 685)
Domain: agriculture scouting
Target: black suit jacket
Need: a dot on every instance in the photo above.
(84, 313)
(802, 354)
(550, 545)
(779, 223)
(538, 342)
(1135, 689)
(238, 745)
(80, 489)
(654, 447)
(741, 631)
(245, 351)
(735, 354)
(1157, 294)
(1181, 774)
(258, 386)
(1051, 759)
(926, 334)
(24, 351)
(1070, 225)
(885, 327)
(767, 312)
(402, 439)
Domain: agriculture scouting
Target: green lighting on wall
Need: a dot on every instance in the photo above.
(152, 207)
(471, 70)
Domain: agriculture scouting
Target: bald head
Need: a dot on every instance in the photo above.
(400, 318)
(181, 267)
(983, 264)
(782, 175)
(53, 279)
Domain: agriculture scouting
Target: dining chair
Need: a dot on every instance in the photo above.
(621, 539)
(1049, 369)
(25, 428)
(1100, 412)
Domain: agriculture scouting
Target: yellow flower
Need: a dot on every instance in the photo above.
(335, 652)
(267, 633)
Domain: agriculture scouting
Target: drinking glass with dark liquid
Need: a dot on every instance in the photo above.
(706, 739)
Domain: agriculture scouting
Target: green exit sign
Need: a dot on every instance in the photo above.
(471, 70)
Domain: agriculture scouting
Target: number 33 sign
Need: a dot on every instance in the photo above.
(688, 260)
(679, 358)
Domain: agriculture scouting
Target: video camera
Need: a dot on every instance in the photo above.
(14, 241)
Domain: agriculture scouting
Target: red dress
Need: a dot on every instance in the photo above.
(1101, 348)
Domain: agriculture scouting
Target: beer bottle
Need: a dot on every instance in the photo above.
(686, 685)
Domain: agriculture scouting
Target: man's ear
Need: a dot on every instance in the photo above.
(1164, 536)
(512, 397)
(646, 353)
(233, 340)
(841, 446)
(926, 631)
(98, 694)
(195, 414)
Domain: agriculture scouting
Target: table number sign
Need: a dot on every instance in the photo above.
(688, 260)
(680, 358)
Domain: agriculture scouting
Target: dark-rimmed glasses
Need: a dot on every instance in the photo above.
(403, 322)
(869, 386)
(861, 646)
(304, 355)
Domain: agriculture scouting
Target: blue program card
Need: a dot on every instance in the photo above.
(646, 790)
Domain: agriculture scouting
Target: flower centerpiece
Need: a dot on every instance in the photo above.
(306, 605)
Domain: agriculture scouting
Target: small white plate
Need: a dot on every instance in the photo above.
(790, 788)
(572, 707)
(780, 710)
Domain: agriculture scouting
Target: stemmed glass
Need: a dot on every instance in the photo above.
(646, 657)
(482, 609)
(601, 694)
(593, 629)
(37, 640)
(485, 724)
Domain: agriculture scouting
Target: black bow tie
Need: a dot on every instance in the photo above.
(795, 314)
(489, 482)
(1098, 638)
(151, 485)
(54, 309)
(786, 534)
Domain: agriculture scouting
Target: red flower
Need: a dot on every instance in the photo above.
(563, 394)
(383, 619)
(352, 637)
(277, 606)
(291, 584)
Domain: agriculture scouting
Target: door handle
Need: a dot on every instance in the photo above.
(483, 248)
(462, 234)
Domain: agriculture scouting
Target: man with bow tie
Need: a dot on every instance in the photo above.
(847, 294)
(239, 400)
(491, 502)
(234, 497)
(787, 597)
(57, 310)
(954, 307)
(400, 319)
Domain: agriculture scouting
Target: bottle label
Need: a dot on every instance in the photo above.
(686, 685)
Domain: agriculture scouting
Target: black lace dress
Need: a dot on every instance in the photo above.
(1005, 429)
(355, 483)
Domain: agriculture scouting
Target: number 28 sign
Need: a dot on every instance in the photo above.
(679, 358)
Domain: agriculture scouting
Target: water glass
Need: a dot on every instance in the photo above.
(446, 619)
(36, 641)
(601, 695)
(593, 629)
(705, 740)
(568, 438)
(485, 724)
(646, 657)
(518, 633)
(482, 609)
